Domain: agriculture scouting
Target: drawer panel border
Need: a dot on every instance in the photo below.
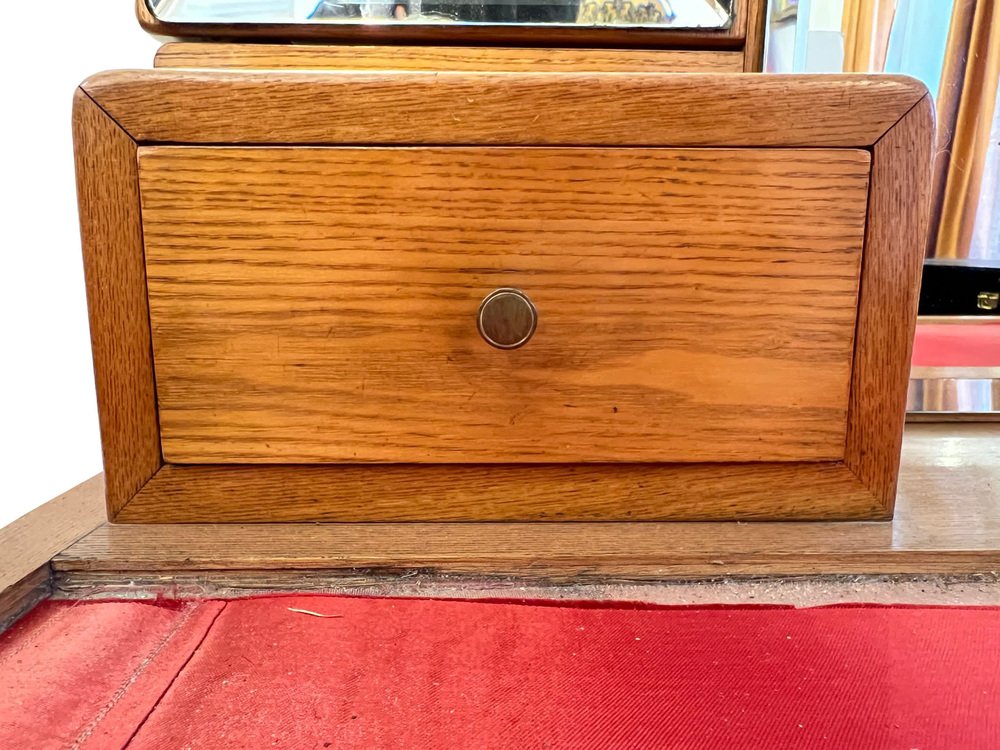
(825, 490)
(197, 107)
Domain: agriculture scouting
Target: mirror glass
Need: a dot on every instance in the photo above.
(685, 14)
(949, 45)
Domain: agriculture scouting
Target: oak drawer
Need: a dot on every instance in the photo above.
(317, 305)
(286, 273)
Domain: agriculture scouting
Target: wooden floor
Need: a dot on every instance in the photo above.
(947, 522)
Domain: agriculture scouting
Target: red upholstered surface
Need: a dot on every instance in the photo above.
(85, 675)
(957, 345)
(410, 673)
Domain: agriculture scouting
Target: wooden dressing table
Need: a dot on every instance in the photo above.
(153, 130)
(400, 305)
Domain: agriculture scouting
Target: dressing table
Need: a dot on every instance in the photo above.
(397, 306)
(430, 296)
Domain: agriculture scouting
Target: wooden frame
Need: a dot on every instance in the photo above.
(756, 30)
(107, 177)
(304, 57)
(115, 113)
(542, 58)
(484, 34)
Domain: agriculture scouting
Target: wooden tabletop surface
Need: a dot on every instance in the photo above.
(947, 521)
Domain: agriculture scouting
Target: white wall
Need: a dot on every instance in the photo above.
(48, 420)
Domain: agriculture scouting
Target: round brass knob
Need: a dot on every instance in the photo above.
(506, 318)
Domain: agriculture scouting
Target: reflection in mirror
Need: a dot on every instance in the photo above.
(952, 46)
(710, 14)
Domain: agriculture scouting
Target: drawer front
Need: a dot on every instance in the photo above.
(314, 305)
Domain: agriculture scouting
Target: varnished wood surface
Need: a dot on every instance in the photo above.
(755, 13)
(500, 492)
(445, 59)
(465, 109)
(947, 521)
(887, 313)
(411, 108)
(318, 305)
(111, 235)
(19, 598)
(29, 542)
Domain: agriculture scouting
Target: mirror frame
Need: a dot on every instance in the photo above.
(534, 35)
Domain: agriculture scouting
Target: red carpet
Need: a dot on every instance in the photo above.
(408, 673)
(957, 345)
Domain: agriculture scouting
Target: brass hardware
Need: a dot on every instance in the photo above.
(506, 318)
(988, 300)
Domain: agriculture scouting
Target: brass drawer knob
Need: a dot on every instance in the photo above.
(506, 318)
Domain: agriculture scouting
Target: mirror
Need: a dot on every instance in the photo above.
(947, 44)
(675, 14)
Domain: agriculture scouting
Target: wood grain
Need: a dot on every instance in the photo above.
(756, 30)
(961, 589)
(947, 521)
(318, 305)
(467, 109)
(412, 108)
(29, 542)
(522, 35)
(444, 59)
(20, 598)
(111, 234)
(500, 492)
(890, 282)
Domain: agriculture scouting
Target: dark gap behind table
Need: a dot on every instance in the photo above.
(960, 286)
